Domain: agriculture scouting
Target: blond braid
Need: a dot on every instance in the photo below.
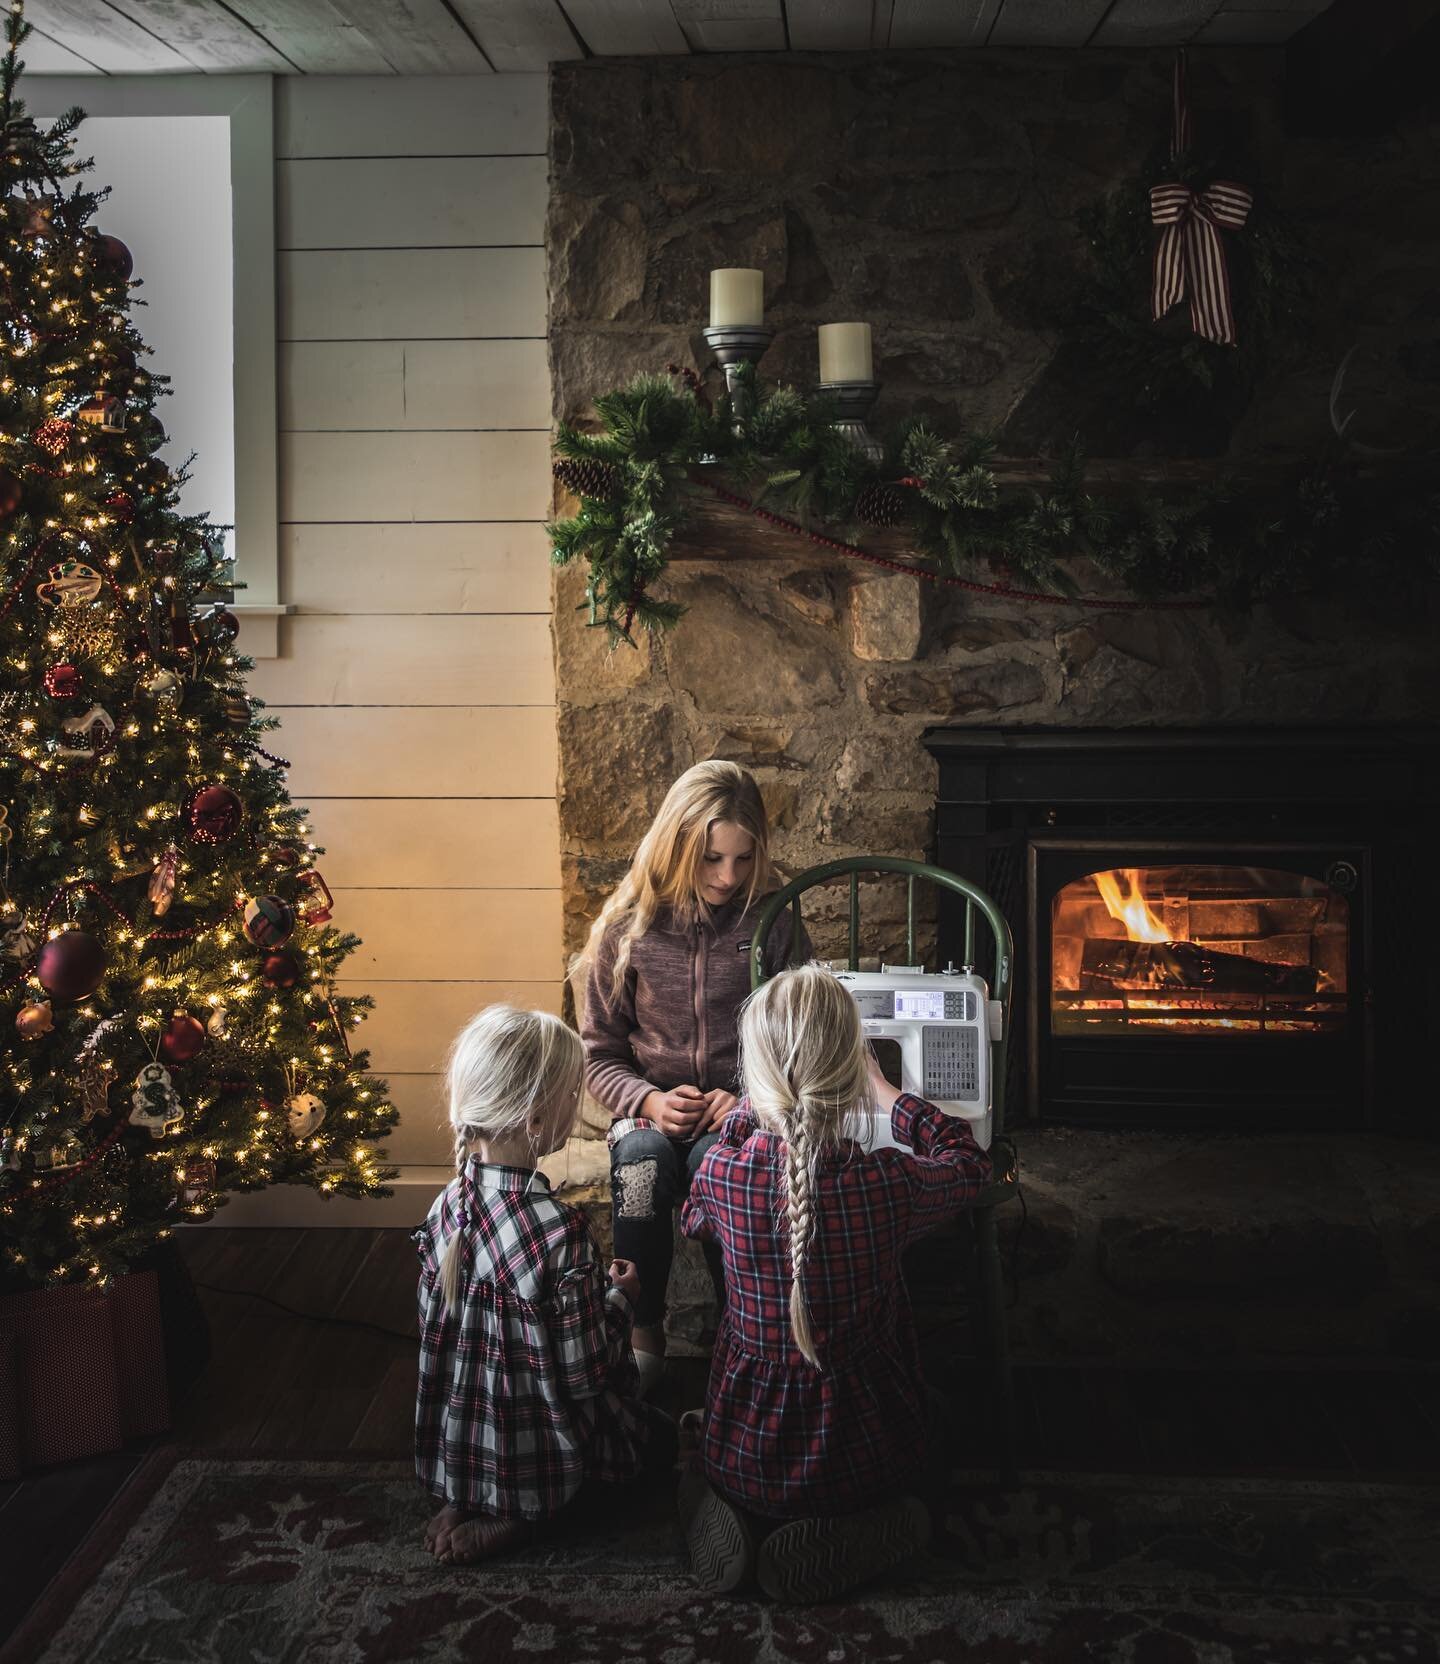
(803, 1060)
(450, 1258)
(799, 1193)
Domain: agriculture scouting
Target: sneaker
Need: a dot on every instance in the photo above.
(722, 1548)
(820, 1559)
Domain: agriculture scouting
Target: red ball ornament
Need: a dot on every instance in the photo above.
(214, 814)
(183, 1037)
(71, 965)
(286, 857)
(111, 254)
(11, 492)
(62, 681)
(283, 969)
(121, 506)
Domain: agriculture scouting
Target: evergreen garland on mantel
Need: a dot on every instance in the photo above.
(660, 443)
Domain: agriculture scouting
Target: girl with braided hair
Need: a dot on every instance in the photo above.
(815, 1436)
(527, 1382)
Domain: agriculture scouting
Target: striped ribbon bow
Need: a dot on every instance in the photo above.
(1190, 257)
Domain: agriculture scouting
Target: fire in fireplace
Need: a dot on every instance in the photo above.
(1195, 948)
(1213, 928)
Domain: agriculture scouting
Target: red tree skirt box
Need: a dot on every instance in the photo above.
(81, 1371)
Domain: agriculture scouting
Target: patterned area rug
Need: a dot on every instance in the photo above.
(230, 1560)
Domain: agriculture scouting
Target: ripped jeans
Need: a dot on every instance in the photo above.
(649, 1176)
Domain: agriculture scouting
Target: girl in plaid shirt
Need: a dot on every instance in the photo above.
(816, 1419)
(527, 1384)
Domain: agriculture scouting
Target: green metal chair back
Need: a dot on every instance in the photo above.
(1002, 973)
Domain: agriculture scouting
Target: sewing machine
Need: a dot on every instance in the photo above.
(931, 1032)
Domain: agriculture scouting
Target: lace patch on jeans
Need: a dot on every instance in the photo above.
(636, 1180)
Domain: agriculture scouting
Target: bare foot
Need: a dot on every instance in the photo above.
(475, 1540)
(437, 1533)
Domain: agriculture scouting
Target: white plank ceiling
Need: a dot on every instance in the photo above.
(480, 37)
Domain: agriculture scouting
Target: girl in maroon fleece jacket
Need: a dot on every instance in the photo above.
(667, 967)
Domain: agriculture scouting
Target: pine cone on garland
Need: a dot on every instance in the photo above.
(586, 476)
(881, 506)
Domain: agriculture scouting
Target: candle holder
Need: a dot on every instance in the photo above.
(855, 400)
(734, 345)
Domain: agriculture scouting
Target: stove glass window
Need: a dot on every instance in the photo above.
(1189, 949)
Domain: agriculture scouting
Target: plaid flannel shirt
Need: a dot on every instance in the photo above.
(529, 1386)
(782, 1437)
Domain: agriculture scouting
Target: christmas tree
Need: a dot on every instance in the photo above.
(170, 1022)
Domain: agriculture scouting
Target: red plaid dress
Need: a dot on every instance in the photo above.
(528, 1386)
(783, 1438)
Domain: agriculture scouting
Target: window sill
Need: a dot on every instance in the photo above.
(259, 628)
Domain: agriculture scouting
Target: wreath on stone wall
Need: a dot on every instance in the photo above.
(1270, 272)
(662, 439)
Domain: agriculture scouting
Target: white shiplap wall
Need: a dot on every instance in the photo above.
(415, 683)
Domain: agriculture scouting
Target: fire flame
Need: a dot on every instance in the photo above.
(1129, 905)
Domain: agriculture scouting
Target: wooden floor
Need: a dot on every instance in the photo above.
(335, 1372)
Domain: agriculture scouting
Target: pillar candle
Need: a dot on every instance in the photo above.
(845, 353)
(737, 297)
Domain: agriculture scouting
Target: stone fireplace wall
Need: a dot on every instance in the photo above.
(936, 196)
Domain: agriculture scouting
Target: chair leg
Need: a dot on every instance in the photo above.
(992, 1306)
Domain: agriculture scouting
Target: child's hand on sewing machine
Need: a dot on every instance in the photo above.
(881, 1091)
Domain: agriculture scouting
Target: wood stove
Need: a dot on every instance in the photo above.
(1215, 928)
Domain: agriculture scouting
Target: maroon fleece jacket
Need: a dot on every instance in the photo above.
(674, 1021)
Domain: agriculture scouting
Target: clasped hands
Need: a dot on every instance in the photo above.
(687, 1112)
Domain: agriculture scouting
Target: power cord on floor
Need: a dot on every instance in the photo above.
(310, 1317)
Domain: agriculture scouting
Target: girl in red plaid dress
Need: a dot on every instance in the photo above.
(816, 1427)
(527, 1384)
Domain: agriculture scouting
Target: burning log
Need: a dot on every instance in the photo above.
(1107, 963)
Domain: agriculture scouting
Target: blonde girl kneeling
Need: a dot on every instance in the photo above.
(527, 1383)
(816, 1422)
